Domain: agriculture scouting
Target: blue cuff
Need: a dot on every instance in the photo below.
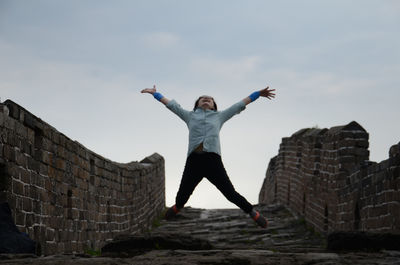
(254, 95)
(158, 96)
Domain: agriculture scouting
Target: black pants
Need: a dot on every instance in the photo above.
(209, 165)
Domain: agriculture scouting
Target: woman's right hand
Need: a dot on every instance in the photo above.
(150, 90)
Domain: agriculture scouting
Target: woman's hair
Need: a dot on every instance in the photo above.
(196, 104)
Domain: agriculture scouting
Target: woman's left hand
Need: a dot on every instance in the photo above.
(267, 92)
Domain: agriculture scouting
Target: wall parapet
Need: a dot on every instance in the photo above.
(67, 197)
(325, 175)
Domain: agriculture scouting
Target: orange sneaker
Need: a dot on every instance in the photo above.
(259, 219)
(171, 212)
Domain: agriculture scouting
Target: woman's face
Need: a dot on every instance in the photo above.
(206, 102)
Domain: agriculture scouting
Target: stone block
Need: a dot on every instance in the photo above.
(55, 138)
(33, 164)
(9, 123)
(25, 146)
(46, 157)
(30, 217)
(2, 116)
(61, 152)
(347, 159)
(9, 153)
(17, 187)
(31, 136)
(71, 146)
(68, 247)
(394, 209)
(50, 234)
(37, 179)
(394, 150)
(37, 207)
(21, 130)
(27, 205)
(348, 167)
(1, 151)
(20, 218)
(52, 248)
(346, 143)
(12, 139)
(60, 164)
(362, 144)
(44, 195)
(51, 173)
(33, 192)
(44, 144)
(367, 181)
(63, 140)
(45, 130)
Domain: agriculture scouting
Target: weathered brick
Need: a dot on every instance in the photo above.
(17, 187)
(29, 219)
(9, 123)
(44, 195)
(27, 205)
(46, 157)
(60, 164)
(37, 179)
(2, 116)
(20, 218)
(34, 192)
(396, 195)
(21, 130)
(36, 232)
(33, 164)
(55, 138)
(1, 149)
(51, 248)
(37, 207)
(50, 234)
(9, 153)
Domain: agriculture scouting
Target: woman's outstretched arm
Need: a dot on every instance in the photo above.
(170, 104)
(156, 94)
(266, 92)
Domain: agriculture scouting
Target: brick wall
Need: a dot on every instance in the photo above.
(67, 197)
(325, 176)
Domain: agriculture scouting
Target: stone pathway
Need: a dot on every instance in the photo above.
(219, 237)
(233, 229)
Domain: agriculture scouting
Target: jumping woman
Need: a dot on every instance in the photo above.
(204, 153)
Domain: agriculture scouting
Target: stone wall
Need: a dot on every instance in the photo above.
(67, 197)
(324, 175)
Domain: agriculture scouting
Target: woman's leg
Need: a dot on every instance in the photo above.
(217, 175)
(192, 175)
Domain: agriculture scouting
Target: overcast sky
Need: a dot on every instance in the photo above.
(80, 66)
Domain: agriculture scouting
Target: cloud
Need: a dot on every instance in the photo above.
(330, 84)
(160, 40)
(232, 69)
